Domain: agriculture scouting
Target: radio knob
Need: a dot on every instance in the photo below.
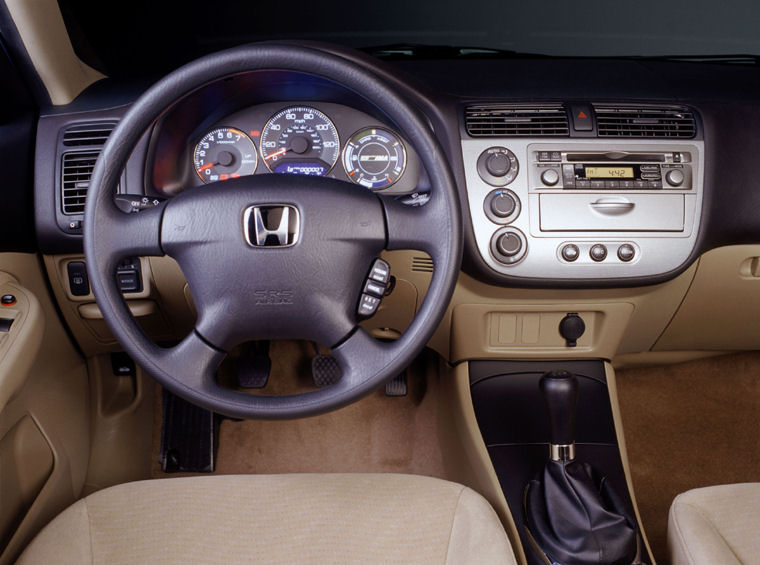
(550, 177)
(498, 164)
(502, 205)
(598, 252)
(674, 177)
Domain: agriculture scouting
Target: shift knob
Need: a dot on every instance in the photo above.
(560, 390)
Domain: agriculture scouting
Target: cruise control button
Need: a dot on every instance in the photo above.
(374, 288)
(128, 281)
(368, 305)
(598, 252)
(380, 272)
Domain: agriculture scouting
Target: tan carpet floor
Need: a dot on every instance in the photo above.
(689, 425)
(376, 434)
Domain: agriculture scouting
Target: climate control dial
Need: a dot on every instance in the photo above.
(502, 206)
(498, 166)
(508, 245)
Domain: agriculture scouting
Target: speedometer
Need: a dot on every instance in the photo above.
(300, 140)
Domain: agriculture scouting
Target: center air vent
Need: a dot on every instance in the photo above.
(645, 121)
(88, 134)
(76, 171)
(516, 120)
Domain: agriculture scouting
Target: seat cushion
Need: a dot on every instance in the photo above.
(336, 518)
(716, 526)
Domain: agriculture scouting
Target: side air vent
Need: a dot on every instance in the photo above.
(516, 120)
(88, 135)
(422, 264)
(76, 171)
(645, 121)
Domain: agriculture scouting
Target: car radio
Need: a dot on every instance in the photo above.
(613, 170)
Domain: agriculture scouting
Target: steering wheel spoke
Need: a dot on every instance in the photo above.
(414, 227)
(120, 235)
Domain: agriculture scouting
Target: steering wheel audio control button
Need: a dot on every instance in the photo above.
(373, 288)
(368, 305)
(380, 272)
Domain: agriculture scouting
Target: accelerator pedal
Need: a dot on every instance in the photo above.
(252, 368)
(188, 437)
(397, 386)
(325, 369)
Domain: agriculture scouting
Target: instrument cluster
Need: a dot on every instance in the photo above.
(330, 140)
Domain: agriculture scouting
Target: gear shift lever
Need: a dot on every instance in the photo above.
(572, 513)
(560, 390)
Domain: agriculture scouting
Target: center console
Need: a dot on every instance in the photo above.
(584, 206)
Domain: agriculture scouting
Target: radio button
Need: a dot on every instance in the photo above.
(626, 252)
(655, 184)
(640, 184)
(626, 184)
(550, 177)
(675, 177)
(570, 252)
(597, 184)
(612, 184)
(555, 156)
(598, 252)
(582, 183)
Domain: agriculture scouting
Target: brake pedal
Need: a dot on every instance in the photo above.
(397, 386)
(252, 369)
(325, 369)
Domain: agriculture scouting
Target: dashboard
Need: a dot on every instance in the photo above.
(573, 207)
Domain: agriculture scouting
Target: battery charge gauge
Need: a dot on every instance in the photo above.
(375, 158)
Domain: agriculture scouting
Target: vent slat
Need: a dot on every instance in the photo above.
(76, 171)
(516, 120)
(88, 135)
(645, 121)
(422, 265)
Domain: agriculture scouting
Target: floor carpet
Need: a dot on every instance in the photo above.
(689, 425)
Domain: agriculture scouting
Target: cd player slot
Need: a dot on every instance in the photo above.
(617, 156)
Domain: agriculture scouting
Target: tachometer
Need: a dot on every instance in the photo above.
(374, 158)
(224, 153)
(300, 140)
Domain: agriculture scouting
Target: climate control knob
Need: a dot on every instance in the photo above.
(502, 206)
(497, 166)
(508, 245)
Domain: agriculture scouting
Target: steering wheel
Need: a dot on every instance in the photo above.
(315, 274)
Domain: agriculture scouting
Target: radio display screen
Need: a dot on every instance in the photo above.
(609, 172)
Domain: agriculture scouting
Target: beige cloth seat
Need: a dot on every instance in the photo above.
(351, 518)
(716, 525)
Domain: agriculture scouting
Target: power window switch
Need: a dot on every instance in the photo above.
(368, 305)
(380, 272)
(374, 288)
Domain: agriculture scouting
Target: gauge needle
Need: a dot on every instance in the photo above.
(276, 153)
(206, 166)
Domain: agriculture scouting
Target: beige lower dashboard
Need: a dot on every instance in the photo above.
(712, 306)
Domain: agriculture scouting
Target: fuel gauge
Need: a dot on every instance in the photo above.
(374, 158)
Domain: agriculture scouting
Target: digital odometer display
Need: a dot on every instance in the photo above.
(609, 172)
(300, 140)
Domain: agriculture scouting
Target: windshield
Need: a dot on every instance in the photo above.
(142, 36)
